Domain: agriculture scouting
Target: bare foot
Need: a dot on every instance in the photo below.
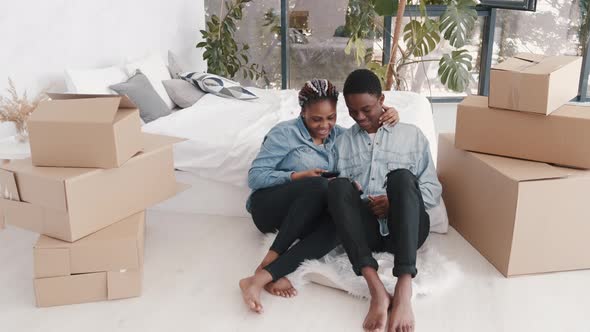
(281, 287)
(377, 316)
(401, 317)
(251, 288)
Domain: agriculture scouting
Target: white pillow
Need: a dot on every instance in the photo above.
(154, 68)
(94, 81)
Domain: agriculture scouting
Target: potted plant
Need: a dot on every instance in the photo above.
(16, 109)
(421, 36)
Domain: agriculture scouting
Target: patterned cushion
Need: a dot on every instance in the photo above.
(218, 85)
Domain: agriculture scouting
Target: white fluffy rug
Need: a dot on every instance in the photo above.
(436, 273)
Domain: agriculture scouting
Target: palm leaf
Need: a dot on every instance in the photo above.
(454, 70)
(421, 38)
(458, 21)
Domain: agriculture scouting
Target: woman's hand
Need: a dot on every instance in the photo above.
(389, 117)
(307, 174)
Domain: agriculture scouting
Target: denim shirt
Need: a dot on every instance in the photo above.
(288, 147)
(368, 162)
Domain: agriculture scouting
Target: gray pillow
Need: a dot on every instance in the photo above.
(182, 92)
(174, 65)
(141, 92)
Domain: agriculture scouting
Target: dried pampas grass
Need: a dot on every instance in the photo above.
(17, 108)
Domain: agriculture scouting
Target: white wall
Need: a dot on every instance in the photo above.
(40, 38)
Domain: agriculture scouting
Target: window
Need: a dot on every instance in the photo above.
(319, 35)
(529, 5)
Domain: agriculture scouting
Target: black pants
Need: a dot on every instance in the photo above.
(358, 227)
(297, 210)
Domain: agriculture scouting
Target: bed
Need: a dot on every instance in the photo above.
(224, 135)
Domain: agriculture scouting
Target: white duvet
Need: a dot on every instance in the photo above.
(224, 135)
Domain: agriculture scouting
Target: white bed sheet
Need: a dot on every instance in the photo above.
(224, 135)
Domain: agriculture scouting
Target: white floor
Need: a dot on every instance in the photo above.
(193, 263)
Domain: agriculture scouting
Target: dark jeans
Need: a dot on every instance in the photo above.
(297, 210)
(358, 227)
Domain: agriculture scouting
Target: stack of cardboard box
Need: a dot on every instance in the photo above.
(91, 175)
(521, 196)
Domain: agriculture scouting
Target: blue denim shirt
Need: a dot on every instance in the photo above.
(401, 146)
(288, 147)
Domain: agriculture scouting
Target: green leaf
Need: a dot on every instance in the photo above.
(454, 70)
(421, 38)
(348, 47)
(458, 21)
(386, 7)
(201, 44)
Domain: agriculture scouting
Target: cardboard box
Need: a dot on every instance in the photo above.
(534, 83)
(73, 130)
(70, 203)
(522, 216)
(561, 138)
(105, 265)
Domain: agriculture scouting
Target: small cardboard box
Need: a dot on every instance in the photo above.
(105, 265)
(561, 138)
(522, 216)
(73, 130)
(534, 83)
(70, 203)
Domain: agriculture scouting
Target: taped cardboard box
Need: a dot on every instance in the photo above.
(522, 216)
(561, 138)
(106, 265)
(70, 203)
(534, 83)
(74, 130)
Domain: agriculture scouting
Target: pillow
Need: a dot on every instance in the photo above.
(218, 85)
(174, 65)
(182, 92)
(139, 89)
(93, 81)
(154, 68)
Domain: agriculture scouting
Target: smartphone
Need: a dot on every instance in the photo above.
(330, 174)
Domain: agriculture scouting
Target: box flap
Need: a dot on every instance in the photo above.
(74, 289)
(23, 215)
(127, 228)
(25, 166)
(534, 63)
(551, 64)
(86, 111)
(125, 102)
(8, 188)
(152, 142)
(516, 64)
(523, 170)
(51, 262)
(124, 283)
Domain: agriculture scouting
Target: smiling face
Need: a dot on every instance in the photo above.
(365, 109)
(319, 118)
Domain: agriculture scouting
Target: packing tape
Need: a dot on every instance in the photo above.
(514, 93)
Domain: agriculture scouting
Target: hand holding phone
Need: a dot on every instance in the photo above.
(330, 174)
